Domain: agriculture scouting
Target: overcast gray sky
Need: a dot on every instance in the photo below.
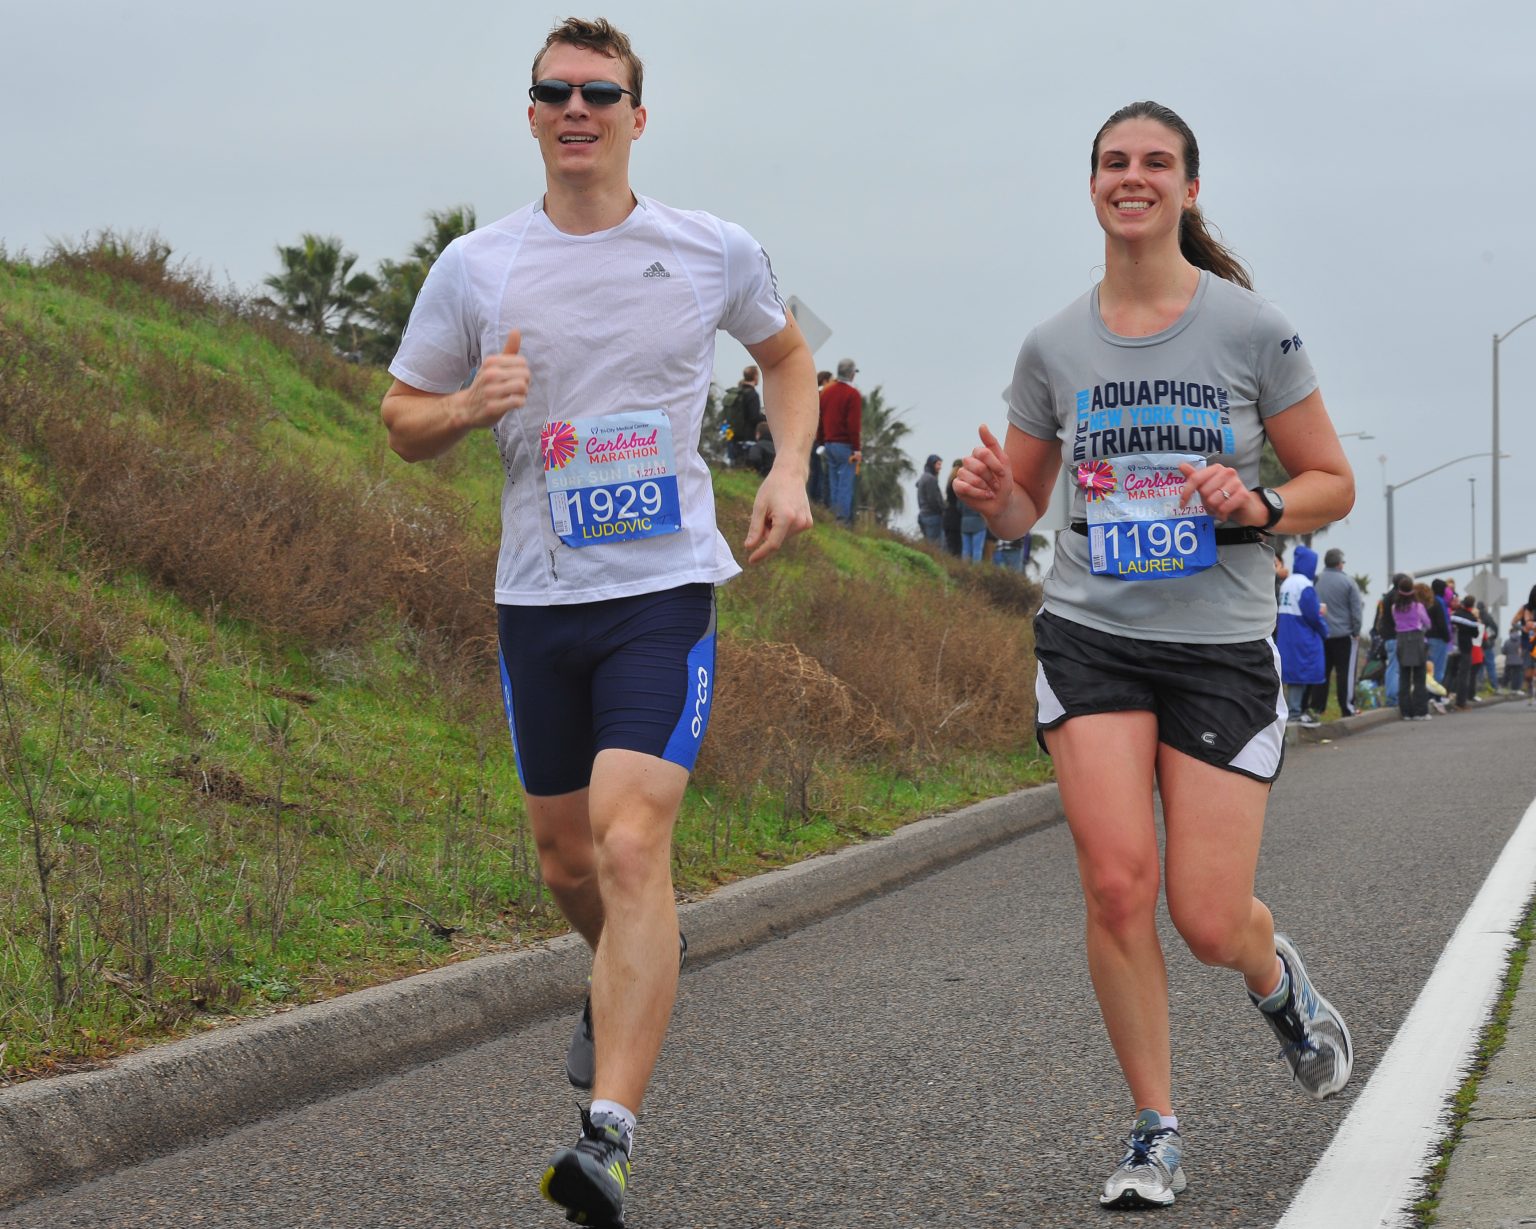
(917, 171)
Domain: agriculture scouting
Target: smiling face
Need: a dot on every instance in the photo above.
(1140, 185)
(585, 146)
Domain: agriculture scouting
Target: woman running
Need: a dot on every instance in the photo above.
(1157, 668)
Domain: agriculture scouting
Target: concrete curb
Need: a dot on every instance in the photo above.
(62, 1131)
(1362, 721)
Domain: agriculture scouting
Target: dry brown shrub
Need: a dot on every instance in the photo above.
(295, 551)
(318, 363)
(442, 574)
(106, 263)
(191, 396)
(75, 623)
(32, 377)
(267, 540)
(114, 267)
(776, 715)
(950, 671)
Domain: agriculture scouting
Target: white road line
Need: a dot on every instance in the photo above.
(1369, 1174)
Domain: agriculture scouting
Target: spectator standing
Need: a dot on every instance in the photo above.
(1386, 628)
(930, 500)
(1469, 629)
(1411, 618)
(842, 412)
(1340, 598)
(1299, 633)
(743, 414)
(973, 533)
(1525, 625)
(1489, 644)
(1437, 618)
(1439, 631)
(1012, 553)
(952, 513)
(1514, 664)
(816, 480)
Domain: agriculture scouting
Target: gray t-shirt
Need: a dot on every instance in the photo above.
(1203, 385)
(1341, 595)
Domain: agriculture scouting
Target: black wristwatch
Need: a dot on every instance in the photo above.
(1273, 504)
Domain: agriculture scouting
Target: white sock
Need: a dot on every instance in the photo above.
(617, 1112)
(1277, 999)
(1171, 1122)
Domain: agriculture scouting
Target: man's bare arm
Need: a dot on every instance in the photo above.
(789, 402)
(423, 425)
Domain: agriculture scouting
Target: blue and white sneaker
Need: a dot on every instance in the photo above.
(581, 1054)
(1315, 1039)
(1151, 1173)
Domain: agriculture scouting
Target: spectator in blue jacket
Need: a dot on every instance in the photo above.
(1299, 633)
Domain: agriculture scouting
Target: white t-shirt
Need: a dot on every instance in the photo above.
(618, 323)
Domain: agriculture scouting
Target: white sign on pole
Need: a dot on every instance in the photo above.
(1483, 589)
(811, 326)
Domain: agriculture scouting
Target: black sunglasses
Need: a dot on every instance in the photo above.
(596, 93)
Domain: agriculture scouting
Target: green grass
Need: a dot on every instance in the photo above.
(202, 817)
(1489, 1043)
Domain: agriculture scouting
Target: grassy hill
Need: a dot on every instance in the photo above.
(250, 728)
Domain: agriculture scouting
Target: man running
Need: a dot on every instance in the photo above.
(588, 320)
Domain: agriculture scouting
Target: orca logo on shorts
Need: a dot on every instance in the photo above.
(701, 702)
(1209, 738)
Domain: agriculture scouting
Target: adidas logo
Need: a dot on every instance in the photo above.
(656, 270)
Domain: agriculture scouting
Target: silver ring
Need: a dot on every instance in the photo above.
(1222, 491)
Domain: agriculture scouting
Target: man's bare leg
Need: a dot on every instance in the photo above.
(633, 804)
(567, 860)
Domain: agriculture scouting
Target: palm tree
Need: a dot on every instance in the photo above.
(885, 470)
(447, 225)
(388, 307)
(317, 289)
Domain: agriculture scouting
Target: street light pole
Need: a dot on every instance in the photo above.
(1394, 486)
(1497, 338)
(1472, 491)
(1391, 539)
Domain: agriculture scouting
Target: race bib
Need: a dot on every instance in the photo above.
(1136, 529)
(611, 479)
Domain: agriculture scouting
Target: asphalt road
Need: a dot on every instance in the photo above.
(931, 1058)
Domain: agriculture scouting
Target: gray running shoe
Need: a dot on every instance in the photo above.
(581, 1055)
(589, 1179)
(1151, 1174)
(1315, 1038)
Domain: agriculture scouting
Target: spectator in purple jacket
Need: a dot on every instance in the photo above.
(1411, 619)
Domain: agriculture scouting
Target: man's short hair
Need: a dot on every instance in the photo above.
(749, 375)
(599, 36)
(1334, 558)
(846, 369)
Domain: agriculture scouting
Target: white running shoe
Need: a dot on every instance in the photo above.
(1151, 1174)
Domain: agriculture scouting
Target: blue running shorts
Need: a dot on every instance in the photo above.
(1220, 703)
(636, 673)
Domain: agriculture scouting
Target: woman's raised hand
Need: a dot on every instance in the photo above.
(985, 480)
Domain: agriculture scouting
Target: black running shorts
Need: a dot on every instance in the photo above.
(636, 673)
(1220, 703)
